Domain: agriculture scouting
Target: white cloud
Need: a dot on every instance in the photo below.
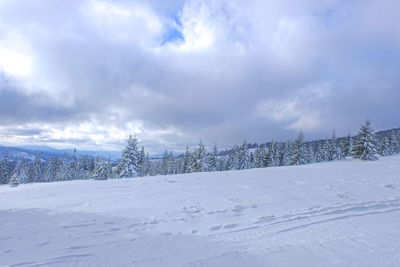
(302, 111)
(98, 69)
(15, 56)
(197, 28)
(127, 21)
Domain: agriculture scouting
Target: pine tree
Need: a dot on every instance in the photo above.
(199, 158)
(231, 161)
(332, 151)
(147, 165)
(165, 162)
(141, 163)
(286, 153)
(320, 154)
(385, 147)
(394, 143)
(297, 151)
(259, 155)
(243, 161)
(129, 165)
(14, 180)
(212, 159)
(36, 172)
(64, 173)
(251, 158)
(364, 144)
(102, 170)
(345, 146)
(5, 171)
(187, 161)
(20, 173)
(308, 153)
(274, 154)
(221, 164)
(52, 169)
(267, 159)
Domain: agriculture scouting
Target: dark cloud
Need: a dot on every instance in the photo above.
(19, 108)
(256, 70)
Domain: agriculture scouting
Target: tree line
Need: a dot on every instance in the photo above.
(135, 162)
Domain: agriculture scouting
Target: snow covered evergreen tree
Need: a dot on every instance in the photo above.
(198, 163)
(5, 170)
(286, 157)
(332, 149)
(308, 153)
(212, 159)
(141, 163)
(297, 151)
(52, 169)
(394, 143)
(385, 148)
(267, 159)
(345, 146)
(63, 173)
(231, 161)
(102, 170)
(364, 146)
(147, 165)
(129, 165)
(259, 155)
(274, 154)
(187, 161)
(166, 163)
(320, 153)
(36, 172)
(243, 157)
(14, 180)
(20, 172)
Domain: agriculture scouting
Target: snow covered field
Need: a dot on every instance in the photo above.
(343, 213)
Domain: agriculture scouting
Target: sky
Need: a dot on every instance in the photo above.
(87, 73)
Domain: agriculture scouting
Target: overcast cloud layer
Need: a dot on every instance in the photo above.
(86, 73)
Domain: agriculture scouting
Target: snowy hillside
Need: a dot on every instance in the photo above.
(344, 213)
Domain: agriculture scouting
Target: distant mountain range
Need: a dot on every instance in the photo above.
(28, 152)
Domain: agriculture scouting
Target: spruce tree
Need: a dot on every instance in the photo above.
(394, 143)
(259, 154)
(36, 172)
(364, 146)
(212, 159)
(102, 170)
(14, 180)
(5, 171)
(20, 173)
(385, 147)
(199, 158)
(187, 159)
(142, 163)
(129, 164)
(52, 169)
(297, 151)
(243, 161)
(231, 161)
(320, 154)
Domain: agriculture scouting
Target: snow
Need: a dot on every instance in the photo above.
(344, 213)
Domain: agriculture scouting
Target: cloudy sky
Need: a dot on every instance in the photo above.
(86, 73)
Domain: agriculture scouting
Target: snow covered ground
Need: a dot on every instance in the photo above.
(343, 213)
